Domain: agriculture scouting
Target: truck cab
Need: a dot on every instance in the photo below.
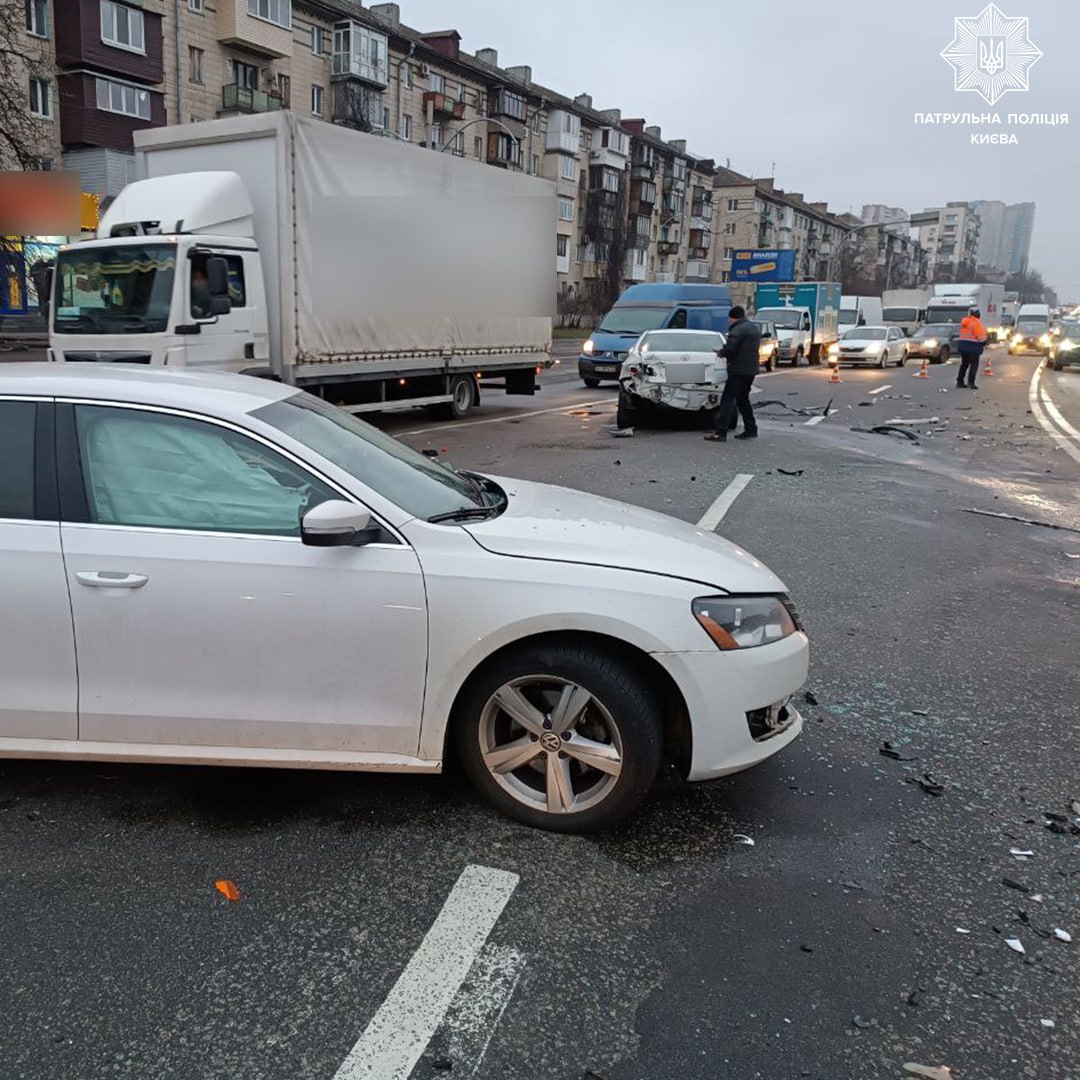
(661, 306)
(174, 278)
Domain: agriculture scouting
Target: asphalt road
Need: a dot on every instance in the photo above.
(864, 929)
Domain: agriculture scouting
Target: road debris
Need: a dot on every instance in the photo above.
(1022, 916)
(888, 750)
(621, 433)
(862, 1024)
(927, 784)
(742, 838)
(920, 712)
(929, 1072)
(909, 423)
(806, 948)
(1022, 520)
(791, 472)
(1016, 945)
(961, 930)
(1015, 885)
(808, 696)
(1021, 853)
(854, 886)
(1062, 935)
(227, 889)
(886, 429)
(1048, 1023)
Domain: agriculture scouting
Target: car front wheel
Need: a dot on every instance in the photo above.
(883, 360)
(560, 737)
(590, 382)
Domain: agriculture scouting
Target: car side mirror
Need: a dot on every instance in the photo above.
(337, 523)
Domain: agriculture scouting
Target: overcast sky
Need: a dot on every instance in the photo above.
(827, 90)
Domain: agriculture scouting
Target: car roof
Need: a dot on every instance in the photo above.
(859, 329)
(209, 391)
(681, 330)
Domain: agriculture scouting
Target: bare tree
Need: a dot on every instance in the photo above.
(21, 58)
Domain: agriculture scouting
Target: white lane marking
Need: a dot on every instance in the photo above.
(1036, 400)
(887, 386)
(513, 416)
(715, 514)
(477, 1010)
(817, 419)
(400, 1031)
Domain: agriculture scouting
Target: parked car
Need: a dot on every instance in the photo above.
(671, 371)
(878, 345)
(1030, 336)
(936, 342)
(249, 575)
(1065, 349)
(769, 352)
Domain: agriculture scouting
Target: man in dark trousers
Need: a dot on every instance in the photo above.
(972, 342)
(742, 352)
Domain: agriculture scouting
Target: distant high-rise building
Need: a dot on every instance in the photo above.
(877, 214)
(1004, 234)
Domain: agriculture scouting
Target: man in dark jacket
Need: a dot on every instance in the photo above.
(742, 352)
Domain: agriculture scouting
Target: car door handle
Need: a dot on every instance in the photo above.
(108, 579)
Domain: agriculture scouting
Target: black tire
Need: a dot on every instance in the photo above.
(798, 358)
(903, 359)
(883, 359)
(943, 356)
(615, 689)
(1058, 367)
(627, 412)
(463, 389)
(590, 382)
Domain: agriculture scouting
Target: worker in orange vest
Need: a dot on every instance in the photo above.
(972, 341)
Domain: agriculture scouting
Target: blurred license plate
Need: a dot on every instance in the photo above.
(607, 368)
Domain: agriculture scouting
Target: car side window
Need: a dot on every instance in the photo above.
(17, 459)
(157, 470)
(678, 320)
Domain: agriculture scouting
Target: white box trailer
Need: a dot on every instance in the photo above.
(373, 272)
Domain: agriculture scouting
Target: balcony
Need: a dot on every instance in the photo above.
(262, 36)
(664, 276)
(501, 149)
(242, 99)
(444, 105)
(698, 270)
(643, 196)
(673, 183)
(642, 170)
(508, 105)
(563, 132)
(667, 247)
(360, 53)
(698, 220)
(699, 237)
(636, 270)
(698, 253)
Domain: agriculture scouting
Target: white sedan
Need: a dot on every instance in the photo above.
(216, 569)
(878, 345)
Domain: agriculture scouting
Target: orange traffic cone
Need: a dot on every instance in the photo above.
(987, 369)
(834, 373)
(924, 369)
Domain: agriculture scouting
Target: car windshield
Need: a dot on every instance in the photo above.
(864, 334)
(685, 341)
(1007, 320)
(415, 483)
(936, 331)
(782, 318)
(1031, 328)
(1072, 331)
(125, 290)
(634, 320)
(951, 315)
(900, 314)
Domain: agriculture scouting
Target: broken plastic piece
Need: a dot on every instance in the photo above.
(961, 930)
(888, 750)
(623, 433)
(791, 472)
(227, 889)
(1015, 885)
(1048, 1023)
(1016, 945)
(1062, 935)
(928, 784)
(1021, 853)
(929, 1072)
(1022, 520)
(811, 700)
(742, 838)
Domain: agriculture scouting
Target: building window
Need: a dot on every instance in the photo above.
(436, 83)
(245, 76)
(122, 27)
(317, 96)
(123, 98)
(41, 99)
(566, 208)
(478, 148)
(195, 64)
(461, 92)
(536, 122)
(570, 168)
(509, 104)
(198, 6)
(318, 40)
(279, 12)
(436, 136)
(406, 76)
(729, 229)
(536, 164)
(37, 17)
(386, 119)
(732, 205)
(284, 89)
(562, 246)
(406, 127)
(458, 145)
(610, 180)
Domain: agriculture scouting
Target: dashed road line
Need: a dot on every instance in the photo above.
(1042, 408)
(715, 514)
(400, 1031)
(879, 389)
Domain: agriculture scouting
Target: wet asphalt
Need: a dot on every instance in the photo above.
(832, 947)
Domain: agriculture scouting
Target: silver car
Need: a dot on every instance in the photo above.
(878, 345)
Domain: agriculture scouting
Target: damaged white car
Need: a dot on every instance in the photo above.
(673, 371)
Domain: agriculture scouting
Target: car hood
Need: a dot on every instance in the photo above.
(605, 342)
(561, 525)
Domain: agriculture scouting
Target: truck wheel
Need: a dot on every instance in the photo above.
(590, 382)
(560, 737)
(627, 412)
(798, 358)
(463, 393)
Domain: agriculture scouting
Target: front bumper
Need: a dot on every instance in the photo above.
(1066, 358)
(599, 367)
(673, 395)
(1029, 347)
(721, 689)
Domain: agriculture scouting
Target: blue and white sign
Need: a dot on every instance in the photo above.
(773, 265)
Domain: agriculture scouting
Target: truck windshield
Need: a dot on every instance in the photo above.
(115, 290)
(416, 484)
(952, 315)
(900, 314)
(781, 318)
(634, 320)
(848, 317)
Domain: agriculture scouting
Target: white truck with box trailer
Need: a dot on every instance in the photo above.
(905, 308)
(375, 274)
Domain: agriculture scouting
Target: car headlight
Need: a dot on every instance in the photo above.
(931, 342)
(588, 347)
(744, 622)
(1045, 339)
(1068, 344)
(1018, 338)
(834, 349)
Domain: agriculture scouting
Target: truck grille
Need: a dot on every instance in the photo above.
(107, 357)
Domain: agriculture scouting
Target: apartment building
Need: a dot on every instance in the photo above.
(881, 258)
(952, 243)
(1004, 235)
(878, 214)
(755, 215)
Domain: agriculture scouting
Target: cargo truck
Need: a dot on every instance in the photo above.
(286, 247)
(905, 308)
(859, 311)
(805, 315)
(950, 303)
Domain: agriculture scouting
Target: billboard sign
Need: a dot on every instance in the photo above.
(763, 265)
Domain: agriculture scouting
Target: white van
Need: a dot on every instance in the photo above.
(1032, 330)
